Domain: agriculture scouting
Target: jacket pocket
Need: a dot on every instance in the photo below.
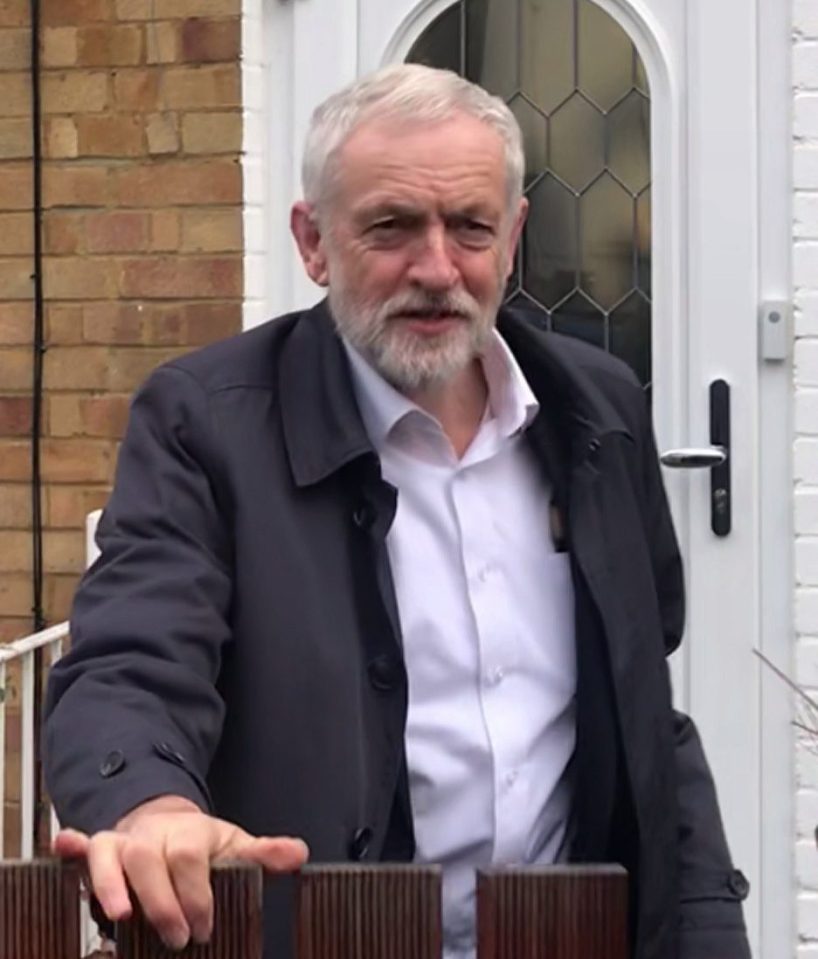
(713, 900)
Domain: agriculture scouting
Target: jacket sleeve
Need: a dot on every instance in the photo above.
(710, 888)
(132, 710)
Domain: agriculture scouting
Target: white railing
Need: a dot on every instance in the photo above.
(25, 650)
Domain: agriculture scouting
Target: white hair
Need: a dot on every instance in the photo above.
(413, 92)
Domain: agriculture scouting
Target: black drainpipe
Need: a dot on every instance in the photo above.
(37, 397)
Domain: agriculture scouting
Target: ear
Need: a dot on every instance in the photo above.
(305, 229)
(514, 234)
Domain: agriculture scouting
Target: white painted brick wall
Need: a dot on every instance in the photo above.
(805, 278)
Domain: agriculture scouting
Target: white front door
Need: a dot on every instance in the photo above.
(681, 179)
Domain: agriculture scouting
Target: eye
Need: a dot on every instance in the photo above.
(474, 232)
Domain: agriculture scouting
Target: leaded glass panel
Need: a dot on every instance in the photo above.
(579, 90)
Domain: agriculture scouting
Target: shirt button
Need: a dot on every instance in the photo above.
(496, 675)
(510, 778)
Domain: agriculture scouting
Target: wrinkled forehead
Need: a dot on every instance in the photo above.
(457, 154)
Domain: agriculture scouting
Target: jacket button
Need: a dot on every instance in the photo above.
(737, 882)
(383, 672)
(169, 752)
(359, 844)
(363, 516)
(112, 764)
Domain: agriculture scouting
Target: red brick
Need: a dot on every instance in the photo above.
(15, 592)
(212, 231)
(15, 49)
(59, 47)
(14, 13)
(201, 8)
(16, 234)
(15, 415)
(63, 232)
(63, 323)
(210, 40)
(161, 42)
(15, 460)
(110, 136)
(56, 12)
(191, 87)
(16, 323)
(129, 367)
(63, 415)
(61, 139)
(58, 595)
(15, 279)
(69, 505)
(165, 231)
(76, 368)
(162, 131)
(207, 322)
(105, 416)
(137, 90)
(77, 461)
(15, 186)
(75, 92)
(182, 277)
(212, 132)
(180, 183)
(117, 232)
(63, 551)
(135, 9)
(15, 367)
(113, 322)
(16, 94)
(15, 506)
(79, 278)
(15, 138)
(11, 629)
(15, 556)
(109, 46)
(66, 184)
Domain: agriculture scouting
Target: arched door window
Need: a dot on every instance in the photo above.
(578, 88)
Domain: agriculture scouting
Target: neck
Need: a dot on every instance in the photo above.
(457, 404)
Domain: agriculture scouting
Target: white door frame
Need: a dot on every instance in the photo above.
(276, 119)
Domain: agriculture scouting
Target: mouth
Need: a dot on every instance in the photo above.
(429, 319)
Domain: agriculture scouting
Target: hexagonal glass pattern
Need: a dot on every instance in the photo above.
(579, 317)
(604, 54)
(550, 242)
(492, 46)
(580, 93)
(629, 141)
(629, 334)
(577, 142)
(547, 51)
(606, 218)
(534, 128)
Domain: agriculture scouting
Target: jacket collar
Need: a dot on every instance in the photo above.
(323, 428)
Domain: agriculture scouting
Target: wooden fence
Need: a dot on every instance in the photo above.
(343, 912)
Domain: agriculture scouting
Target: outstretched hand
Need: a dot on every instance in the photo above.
(163, 850)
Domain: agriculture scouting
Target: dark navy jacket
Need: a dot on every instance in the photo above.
(238, 640)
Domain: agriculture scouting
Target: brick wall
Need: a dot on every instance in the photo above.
(805, 176)
(143, 241)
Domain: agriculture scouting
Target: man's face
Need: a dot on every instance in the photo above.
(417, 244)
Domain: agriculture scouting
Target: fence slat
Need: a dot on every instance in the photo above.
(368, 912)
(39, 910)
(27, 758)
(237, 929)
(570, 912)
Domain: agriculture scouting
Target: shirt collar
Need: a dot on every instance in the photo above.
(511, 400)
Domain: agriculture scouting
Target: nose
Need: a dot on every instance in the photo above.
(432, 267)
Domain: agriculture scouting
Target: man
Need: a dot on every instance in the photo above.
(385, 579)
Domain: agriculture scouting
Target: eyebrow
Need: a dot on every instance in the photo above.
(390, 208)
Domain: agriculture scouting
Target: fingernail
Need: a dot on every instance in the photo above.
(202, 934)
(176, 938)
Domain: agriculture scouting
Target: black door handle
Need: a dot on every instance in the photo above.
(721, 507)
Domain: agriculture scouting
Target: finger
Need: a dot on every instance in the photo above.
(275, 854)
(187, 857)
(70, 844)
(107, 877)
(147, 873)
